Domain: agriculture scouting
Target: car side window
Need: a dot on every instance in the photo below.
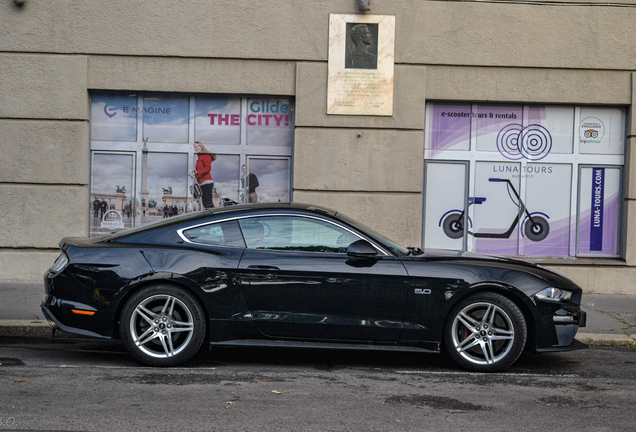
(217, 234)
(293, 233)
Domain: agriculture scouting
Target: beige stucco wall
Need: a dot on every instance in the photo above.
(409, 97)
(26, 265)
(427, 32)
(38, 216)
(44, 158)
(600, 279)
(52, 54)
(44, 151)
(192, 75)
(395, 215)
(630, 234)
(360, 160)
(529, 85)
(368, 167)
(41, 86)
(629, 208)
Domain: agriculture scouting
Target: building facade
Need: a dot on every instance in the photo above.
(510, 132)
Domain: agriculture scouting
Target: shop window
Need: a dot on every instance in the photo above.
(145, 143)
(524, 180)
(269, 121)
(113, 117)
(270, 176)
(164, 178)
(112, 191)
(226, 180)
(165, 118)
(218, 120)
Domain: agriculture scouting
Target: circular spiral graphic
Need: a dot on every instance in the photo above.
(515, 142)
(508, 141)
(536, 142)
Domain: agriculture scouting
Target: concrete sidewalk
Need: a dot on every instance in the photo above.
(611, 319)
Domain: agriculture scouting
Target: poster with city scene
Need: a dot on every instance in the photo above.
(265, 180)
(527, 191)
(114, 116)
(224, 174)
(165, 186)
(166, 118)
(112, 192)
(155, 156)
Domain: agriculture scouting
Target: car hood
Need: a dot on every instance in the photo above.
(447, 258)
(447, 253)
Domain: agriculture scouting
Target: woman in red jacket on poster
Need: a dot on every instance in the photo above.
(202, 173)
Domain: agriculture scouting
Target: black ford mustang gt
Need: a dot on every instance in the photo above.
(299, 275)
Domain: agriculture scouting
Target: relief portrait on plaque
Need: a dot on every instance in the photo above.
(361, 64)
(361, 46)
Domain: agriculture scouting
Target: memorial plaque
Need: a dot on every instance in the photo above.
(361, 55)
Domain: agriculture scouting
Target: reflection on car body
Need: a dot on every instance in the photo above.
(295, 274)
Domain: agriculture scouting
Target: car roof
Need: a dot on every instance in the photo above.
(229, 210)
(244, 208)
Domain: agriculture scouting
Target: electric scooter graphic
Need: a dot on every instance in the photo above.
(535, 225)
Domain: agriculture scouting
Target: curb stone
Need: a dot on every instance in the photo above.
(30, 329)
(606, 339)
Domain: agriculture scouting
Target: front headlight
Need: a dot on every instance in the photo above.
(554, 294)
(60, 264)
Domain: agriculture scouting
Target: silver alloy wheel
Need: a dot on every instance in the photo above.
(161, 326)
(482, 333)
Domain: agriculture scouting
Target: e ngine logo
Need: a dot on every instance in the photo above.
(110, 110)
(516, 142)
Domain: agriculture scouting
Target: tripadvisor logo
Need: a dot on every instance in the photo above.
(591, 130)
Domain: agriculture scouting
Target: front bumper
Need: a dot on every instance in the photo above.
(557, 325)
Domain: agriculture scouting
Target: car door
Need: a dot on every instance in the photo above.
(212, 262)
(298, 282)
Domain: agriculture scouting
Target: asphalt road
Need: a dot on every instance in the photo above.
(84, 385)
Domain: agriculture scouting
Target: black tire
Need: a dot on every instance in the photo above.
(485, 332)
(162, 325)
(537, 231)
(453, 225)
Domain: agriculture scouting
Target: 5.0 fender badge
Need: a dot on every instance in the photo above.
(422, 291)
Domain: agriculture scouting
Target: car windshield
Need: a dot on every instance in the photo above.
(389, 244)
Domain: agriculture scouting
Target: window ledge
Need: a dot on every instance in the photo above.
(604, 262)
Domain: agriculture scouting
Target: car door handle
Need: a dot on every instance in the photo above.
(262, 269)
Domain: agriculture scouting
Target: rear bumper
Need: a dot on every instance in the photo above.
(73, 330)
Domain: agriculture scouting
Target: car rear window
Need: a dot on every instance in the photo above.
(216, 234)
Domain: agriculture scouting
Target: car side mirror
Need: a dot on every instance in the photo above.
(362, 249)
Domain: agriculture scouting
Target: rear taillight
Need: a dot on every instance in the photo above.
(60, 264)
